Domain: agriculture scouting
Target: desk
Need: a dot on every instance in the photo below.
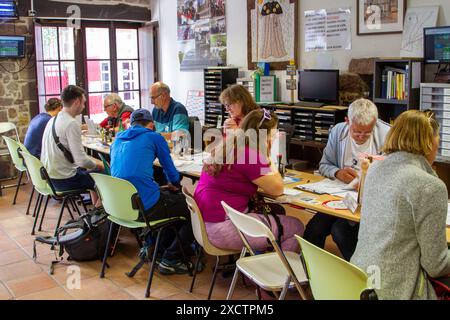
(185, 166)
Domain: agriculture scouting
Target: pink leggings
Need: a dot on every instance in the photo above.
(225, 235)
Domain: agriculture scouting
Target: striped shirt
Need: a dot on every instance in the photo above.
(176, 118)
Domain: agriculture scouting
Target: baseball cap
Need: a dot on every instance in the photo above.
(141, 114)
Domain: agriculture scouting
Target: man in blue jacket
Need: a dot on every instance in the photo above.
(361, 133)
(132, 156)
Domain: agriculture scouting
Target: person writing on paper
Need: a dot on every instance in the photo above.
(238, 181)
(403, 212)
(238, 102)
(116, 109)
(362, 132)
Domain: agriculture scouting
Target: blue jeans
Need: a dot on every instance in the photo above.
(80, 181)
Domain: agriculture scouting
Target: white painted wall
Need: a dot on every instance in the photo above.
(362, 46)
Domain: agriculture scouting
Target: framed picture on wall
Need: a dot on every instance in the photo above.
(272, 28)
(380, 16)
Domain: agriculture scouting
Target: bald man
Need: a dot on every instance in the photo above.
(115, 108)
(168, 114)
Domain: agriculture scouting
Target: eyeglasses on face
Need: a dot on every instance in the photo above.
(108, 105)
(155, 97)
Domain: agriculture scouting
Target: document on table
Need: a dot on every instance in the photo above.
(334, 187)
(448, 215)
(291, 192)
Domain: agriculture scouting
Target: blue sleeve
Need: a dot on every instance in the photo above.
(163, 155)
(328, 165)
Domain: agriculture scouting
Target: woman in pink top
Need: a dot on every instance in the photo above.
(238, 102)
(237, 183)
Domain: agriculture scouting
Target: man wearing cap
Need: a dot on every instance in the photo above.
(132, 156)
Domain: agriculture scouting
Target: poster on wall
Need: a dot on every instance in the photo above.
(272, 32)
(202, 38)
(416, 19)
(328, 29)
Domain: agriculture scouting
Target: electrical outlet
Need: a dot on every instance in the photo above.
(31, 13)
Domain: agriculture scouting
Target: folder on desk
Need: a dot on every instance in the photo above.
(325, 186)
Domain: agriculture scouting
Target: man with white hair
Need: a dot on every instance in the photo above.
(362, 132)
(116, 109)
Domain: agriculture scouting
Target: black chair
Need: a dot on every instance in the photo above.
(294, 164)
(193, 123)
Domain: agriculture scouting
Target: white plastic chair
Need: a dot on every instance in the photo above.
(273, 271)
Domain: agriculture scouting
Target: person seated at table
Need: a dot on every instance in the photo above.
(132, 155)
(169, 115)
(116, 109)
(404, 208)
(237, 181)
(362, 132)
(238, 102)
(33, 138)
(67, 169)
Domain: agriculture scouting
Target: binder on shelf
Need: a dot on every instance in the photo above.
(266, 87)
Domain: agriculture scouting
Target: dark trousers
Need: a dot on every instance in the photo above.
(159, 176)
(171, 204)
(344, 234)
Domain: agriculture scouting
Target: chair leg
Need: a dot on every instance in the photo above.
(75, 206)
(214, 277)
(35, 206)
(60, 215)
(68, 209)
(37, 209)
(83, 204)
(153, 265)
(185, 259)
(43, 213)
(233, 284)
(197, 262)
(105, 255)
(18, 186)
(29, 201)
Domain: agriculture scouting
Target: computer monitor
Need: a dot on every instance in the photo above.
(436, 44)
(8, 9)
(318, 85)
(12, 46)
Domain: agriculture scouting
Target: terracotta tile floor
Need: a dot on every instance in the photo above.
(22, 278)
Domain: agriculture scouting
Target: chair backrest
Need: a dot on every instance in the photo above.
(193, 121)
(330, 277)
(199, 228)
(9, 126)
(34, 168)
(105, 164)
(252, 227)
(247, 224)
(14, 147)
(116, 195)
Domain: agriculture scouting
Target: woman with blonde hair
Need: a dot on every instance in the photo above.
(402, 240)
(238, 102)
(234, 173)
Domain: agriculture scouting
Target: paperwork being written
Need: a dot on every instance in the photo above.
(334, 187)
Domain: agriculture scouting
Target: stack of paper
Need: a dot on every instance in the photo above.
(328, 186)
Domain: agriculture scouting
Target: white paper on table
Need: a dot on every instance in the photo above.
(325, 186)
(291, 192)
(448, 215)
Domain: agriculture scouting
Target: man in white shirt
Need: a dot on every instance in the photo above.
(362, 132)
(66, 164)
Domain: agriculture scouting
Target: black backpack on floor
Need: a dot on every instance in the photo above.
(84, 239)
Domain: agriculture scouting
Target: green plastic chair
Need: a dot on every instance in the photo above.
(14, 147)
(330, 277)
(123, 205)
(42, 184)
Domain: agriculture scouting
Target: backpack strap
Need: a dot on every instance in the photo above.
(67, 153)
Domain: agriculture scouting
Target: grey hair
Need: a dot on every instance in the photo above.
(162, 87)
(114, 98)
(362, 111)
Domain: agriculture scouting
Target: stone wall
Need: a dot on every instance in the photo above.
(17, 86)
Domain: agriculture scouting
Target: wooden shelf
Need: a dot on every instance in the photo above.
(390, 101)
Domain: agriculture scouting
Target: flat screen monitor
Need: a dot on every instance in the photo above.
(8, 9)
(12, 46)
(317, 85)
(436, 47)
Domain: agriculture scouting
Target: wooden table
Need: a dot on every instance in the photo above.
(94, 144)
